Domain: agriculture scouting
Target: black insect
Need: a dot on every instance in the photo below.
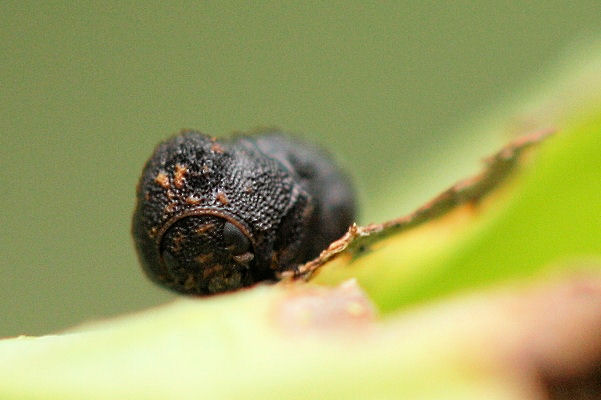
(216, 215)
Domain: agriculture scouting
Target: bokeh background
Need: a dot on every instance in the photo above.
(88, 89)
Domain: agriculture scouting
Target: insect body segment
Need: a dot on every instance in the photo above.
(214, 216)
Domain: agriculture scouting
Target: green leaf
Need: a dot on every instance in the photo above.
(303, 341)
(496, 297)
(547, 212)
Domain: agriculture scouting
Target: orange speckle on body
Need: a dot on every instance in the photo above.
(179, 175)
(222, 198)
(153, 232)
(162, 180)
(193, 200)
(244, 259)
(217, 148)
(177, 242)
(204, 228)
(203, 258)
(211, 270)
(170, 207)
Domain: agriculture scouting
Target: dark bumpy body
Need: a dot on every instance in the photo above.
(214, 216)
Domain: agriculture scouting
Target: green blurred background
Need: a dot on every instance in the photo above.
(89, 88)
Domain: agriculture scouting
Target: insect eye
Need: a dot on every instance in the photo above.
(235, 241)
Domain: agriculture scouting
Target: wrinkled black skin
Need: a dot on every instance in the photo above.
(286, 197)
